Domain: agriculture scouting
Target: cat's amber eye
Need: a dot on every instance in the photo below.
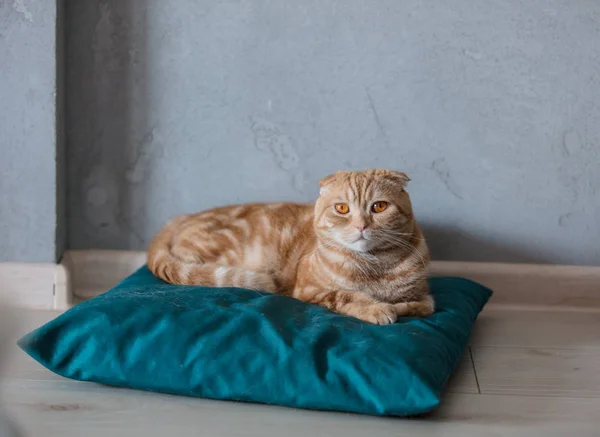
(379, 206)
(342, 208)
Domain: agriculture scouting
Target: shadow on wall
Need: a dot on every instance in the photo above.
(107, 82)
(456, 244)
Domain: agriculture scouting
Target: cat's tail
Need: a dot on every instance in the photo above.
(174, 270)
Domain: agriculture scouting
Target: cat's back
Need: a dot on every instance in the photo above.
(285, 214)
(279, 213)
(268, 222)
(279, 225)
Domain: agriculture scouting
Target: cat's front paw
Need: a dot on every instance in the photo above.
(378, 314)
(420, 308)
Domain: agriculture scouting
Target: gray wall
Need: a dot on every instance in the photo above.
(32, 226)
(492, 108)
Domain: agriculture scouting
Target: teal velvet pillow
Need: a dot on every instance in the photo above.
(229, 343)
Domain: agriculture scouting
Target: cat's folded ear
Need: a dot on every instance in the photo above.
(397, 176)
(328, 180)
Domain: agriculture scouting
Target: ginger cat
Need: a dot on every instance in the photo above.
(357, 251)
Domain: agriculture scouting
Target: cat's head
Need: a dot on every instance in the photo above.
(364, 210)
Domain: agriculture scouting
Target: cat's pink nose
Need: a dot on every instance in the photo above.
(361, 228)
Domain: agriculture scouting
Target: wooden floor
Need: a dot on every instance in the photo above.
(527, 373)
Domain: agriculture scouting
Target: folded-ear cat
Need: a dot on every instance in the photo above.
(357, 250)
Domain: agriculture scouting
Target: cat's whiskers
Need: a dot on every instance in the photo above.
(404, 244)
(403, 234)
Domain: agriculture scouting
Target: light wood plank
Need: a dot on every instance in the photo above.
(506, 415)
(538, 371)
(27, 319)
(29, 285)
(21, 366)
(463, 380)
(57, 409)
(18, 364)
(538, 329)
(530, 284)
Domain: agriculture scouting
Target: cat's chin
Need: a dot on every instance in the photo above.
(360, 246)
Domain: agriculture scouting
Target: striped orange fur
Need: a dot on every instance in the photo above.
(357, 251)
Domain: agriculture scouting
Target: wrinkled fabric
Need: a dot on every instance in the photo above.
(236, 344)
